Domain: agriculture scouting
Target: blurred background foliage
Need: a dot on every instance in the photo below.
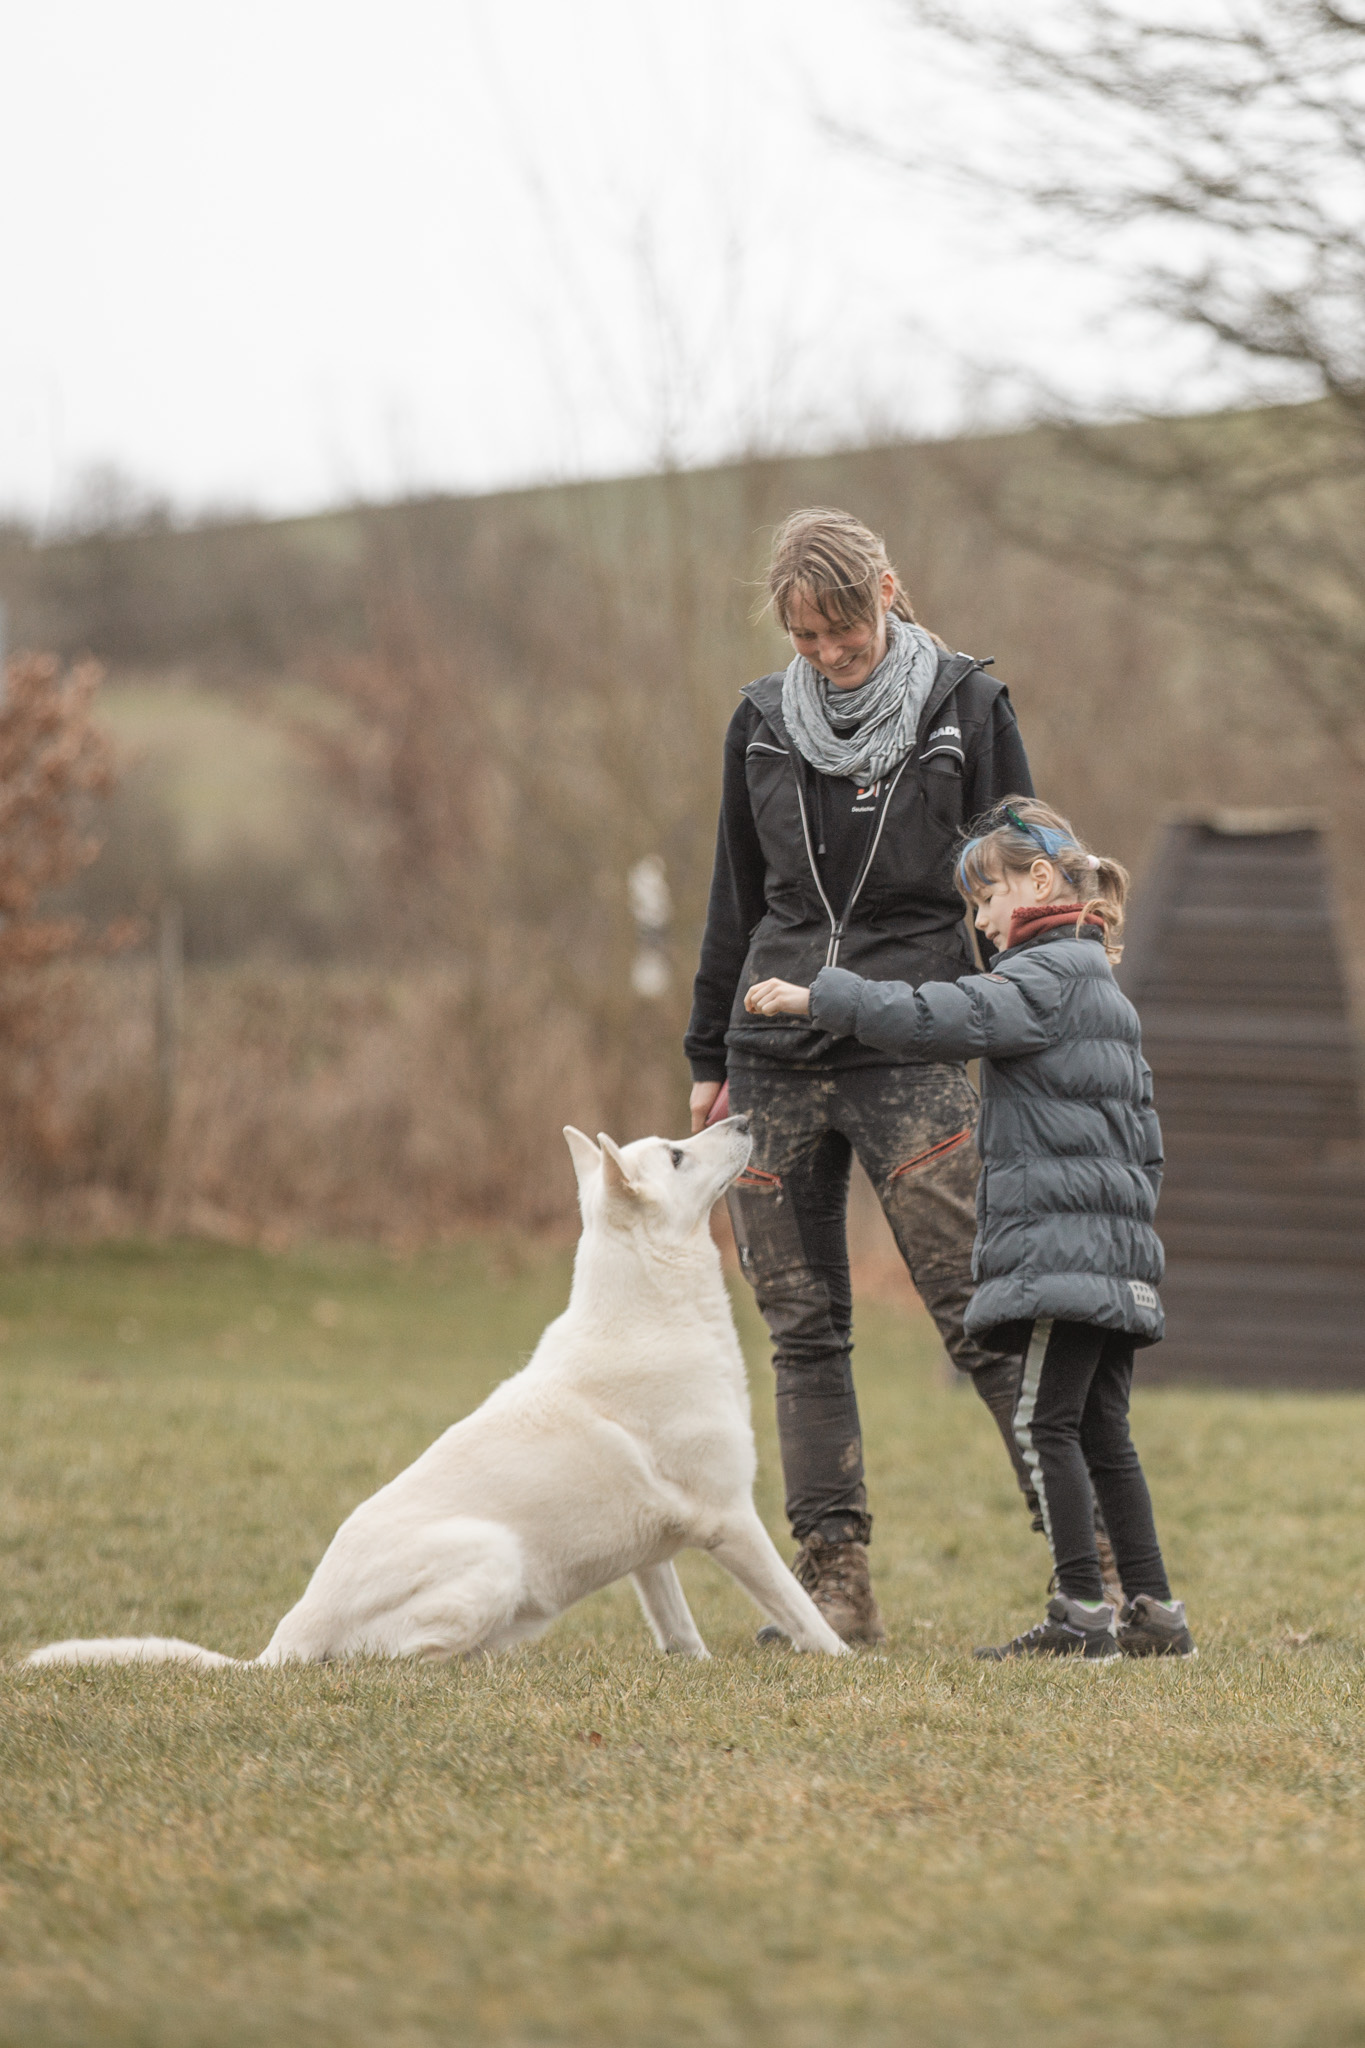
(397, 764)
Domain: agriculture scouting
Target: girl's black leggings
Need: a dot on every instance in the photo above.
(1071, 1423)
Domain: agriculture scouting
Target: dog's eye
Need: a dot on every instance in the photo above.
(676, 1154)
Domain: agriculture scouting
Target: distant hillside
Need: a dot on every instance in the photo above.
(1127, 712)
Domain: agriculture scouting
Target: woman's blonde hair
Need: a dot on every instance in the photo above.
(838, 563)
(1021, 830)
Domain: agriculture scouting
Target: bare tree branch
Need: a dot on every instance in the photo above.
(1219, 165)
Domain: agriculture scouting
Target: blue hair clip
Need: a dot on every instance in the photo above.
(1053, 843)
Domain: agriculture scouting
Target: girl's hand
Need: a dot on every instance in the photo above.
(778, 999)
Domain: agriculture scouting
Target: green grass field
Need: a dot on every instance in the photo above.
(587, 1844)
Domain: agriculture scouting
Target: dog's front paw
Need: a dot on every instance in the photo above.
(827, 1644)
(771, 1637)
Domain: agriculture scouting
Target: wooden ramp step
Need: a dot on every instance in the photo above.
(1233, 965)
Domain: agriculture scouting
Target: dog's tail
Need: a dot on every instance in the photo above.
(130, 1650)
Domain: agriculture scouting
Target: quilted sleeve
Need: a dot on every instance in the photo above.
(990, 1016)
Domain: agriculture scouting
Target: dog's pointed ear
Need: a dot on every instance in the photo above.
(585, 1155)
(615, 1172)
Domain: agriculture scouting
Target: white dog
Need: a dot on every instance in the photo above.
(626, 1439)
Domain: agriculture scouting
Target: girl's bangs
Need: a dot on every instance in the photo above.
(973, 872)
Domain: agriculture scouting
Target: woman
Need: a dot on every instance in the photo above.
(847, 783)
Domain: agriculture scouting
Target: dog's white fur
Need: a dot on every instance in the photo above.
(625, 1440)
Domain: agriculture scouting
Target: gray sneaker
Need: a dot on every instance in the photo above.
(1067, 1630)
(1155, 1628)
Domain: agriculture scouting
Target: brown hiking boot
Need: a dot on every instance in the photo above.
(1109, 1570)
(836, 1577)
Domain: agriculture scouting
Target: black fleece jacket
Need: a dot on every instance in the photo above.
(778, 908)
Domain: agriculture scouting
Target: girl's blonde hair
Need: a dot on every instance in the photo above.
(838, 563)
(1021, 830)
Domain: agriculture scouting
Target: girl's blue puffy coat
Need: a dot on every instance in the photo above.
(1069, 1142)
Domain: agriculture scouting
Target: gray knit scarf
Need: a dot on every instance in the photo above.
(886, 708)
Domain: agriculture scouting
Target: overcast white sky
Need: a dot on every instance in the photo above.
(275, 253)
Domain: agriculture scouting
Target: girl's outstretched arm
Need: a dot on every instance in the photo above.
(992, 1016)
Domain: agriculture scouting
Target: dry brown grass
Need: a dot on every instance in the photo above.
(349, 1102)
(343, 1102)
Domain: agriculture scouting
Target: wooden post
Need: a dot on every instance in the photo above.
(651, 906)
(170, 981)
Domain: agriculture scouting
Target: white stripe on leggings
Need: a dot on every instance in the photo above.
(1023, 1418)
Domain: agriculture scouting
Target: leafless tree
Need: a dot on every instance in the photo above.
(1215, 155)
(53, 759)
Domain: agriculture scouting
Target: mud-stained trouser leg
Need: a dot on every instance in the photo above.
(788, 1210)
(912, 1129)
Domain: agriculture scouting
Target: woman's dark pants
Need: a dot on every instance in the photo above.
(911, 1128)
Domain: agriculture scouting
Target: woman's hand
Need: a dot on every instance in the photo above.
(702, 1101)
(778, 999)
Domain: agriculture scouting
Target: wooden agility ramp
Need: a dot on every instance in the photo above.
(1233, 964)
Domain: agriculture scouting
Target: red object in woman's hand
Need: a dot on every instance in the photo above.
(720, 1108)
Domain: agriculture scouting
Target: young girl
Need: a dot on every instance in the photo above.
(1066, 1259)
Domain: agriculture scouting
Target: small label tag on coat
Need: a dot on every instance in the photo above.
(1143, 1295)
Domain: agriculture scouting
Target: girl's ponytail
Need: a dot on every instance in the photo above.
(1109, 882)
